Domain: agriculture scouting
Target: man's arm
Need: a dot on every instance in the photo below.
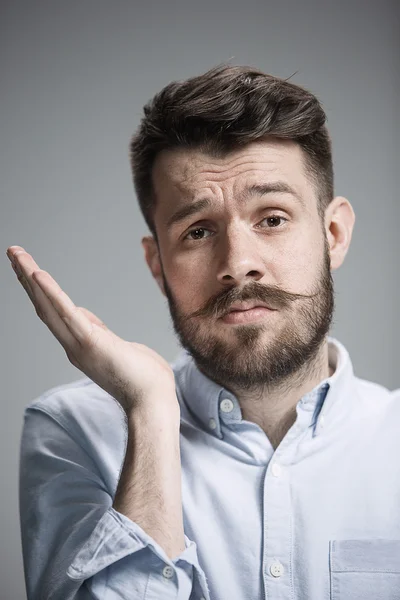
(149, 489)
(69, 528)
(76, 545)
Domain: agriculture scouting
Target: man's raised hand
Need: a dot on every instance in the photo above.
(132, 373)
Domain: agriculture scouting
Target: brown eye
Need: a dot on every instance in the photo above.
(197, 234)
(273, 222)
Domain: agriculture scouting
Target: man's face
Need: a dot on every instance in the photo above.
(236, 232)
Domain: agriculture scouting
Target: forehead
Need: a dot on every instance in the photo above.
(183, 171)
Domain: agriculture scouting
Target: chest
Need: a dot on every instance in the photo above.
(317, 522)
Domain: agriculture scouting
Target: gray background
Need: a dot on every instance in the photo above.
(74, 77)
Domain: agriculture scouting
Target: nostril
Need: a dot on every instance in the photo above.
(254, 273)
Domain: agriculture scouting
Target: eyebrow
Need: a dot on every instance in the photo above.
(260, 189)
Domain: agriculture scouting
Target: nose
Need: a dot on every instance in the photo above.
(240, 260)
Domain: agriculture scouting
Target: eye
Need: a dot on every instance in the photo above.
(272, 221)
(198, 234)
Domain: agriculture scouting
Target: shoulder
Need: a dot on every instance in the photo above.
(77, 400)
(377, 401)
(84, 410)
(372, 391)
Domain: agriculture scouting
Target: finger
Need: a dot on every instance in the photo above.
(76, 321)
(25, 267)
(22, 271)
(20, 276)
(24, 283)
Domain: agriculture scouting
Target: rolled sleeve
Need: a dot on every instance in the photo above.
(116, 537)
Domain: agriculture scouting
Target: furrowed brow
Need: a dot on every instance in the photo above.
(261, 189)
(187, 211)
(277, 187)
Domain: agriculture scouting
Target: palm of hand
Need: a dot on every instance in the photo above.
(129, 371)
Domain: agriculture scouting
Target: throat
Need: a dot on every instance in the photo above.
(275, 427)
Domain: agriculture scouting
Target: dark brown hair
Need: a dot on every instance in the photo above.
(222, 110)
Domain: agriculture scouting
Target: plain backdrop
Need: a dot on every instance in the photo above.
(74, 77)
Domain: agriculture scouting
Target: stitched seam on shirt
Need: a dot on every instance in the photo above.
(120, 522)
(265, 530)
(147, 586)
(372, 570)
(291, 541)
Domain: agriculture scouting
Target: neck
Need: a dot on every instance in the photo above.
(274, 409)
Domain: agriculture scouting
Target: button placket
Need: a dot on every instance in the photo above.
(276, 469)
(277, 510)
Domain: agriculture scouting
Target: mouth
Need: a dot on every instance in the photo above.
(247, 312)
(248, 305)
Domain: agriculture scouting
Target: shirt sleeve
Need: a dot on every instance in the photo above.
(75, 545)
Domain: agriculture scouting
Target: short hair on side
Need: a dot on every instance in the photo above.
(222, 110)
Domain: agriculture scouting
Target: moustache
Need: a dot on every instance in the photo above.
(274, 297)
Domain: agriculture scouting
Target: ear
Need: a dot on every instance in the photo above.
(152, 256)
(339, 224)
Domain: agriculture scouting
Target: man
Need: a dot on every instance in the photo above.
(258, 465)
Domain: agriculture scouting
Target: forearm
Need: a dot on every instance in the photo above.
(149, 489)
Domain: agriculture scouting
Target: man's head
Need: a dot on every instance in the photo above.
(233, 172)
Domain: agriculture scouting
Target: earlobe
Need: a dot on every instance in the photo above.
(152, 256)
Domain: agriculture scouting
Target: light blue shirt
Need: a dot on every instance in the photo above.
(316, 519)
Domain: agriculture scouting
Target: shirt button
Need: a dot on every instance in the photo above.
(276, 470)
(276, 569)
(168, 572)
(226, 405)
(212, 424)
(322, 421)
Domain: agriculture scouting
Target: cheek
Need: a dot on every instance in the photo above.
(182, 270)
(299, 263)
(189, 280)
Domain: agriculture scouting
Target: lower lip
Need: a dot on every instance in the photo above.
(247, 316)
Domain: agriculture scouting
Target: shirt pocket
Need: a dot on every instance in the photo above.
(364, 569)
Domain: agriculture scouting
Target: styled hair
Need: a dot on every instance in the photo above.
(223, 110)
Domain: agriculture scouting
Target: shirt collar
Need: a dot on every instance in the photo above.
(211, 404)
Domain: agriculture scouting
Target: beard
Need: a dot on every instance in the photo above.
(242, 359)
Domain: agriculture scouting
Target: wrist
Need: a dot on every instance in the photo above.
(155, 407)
